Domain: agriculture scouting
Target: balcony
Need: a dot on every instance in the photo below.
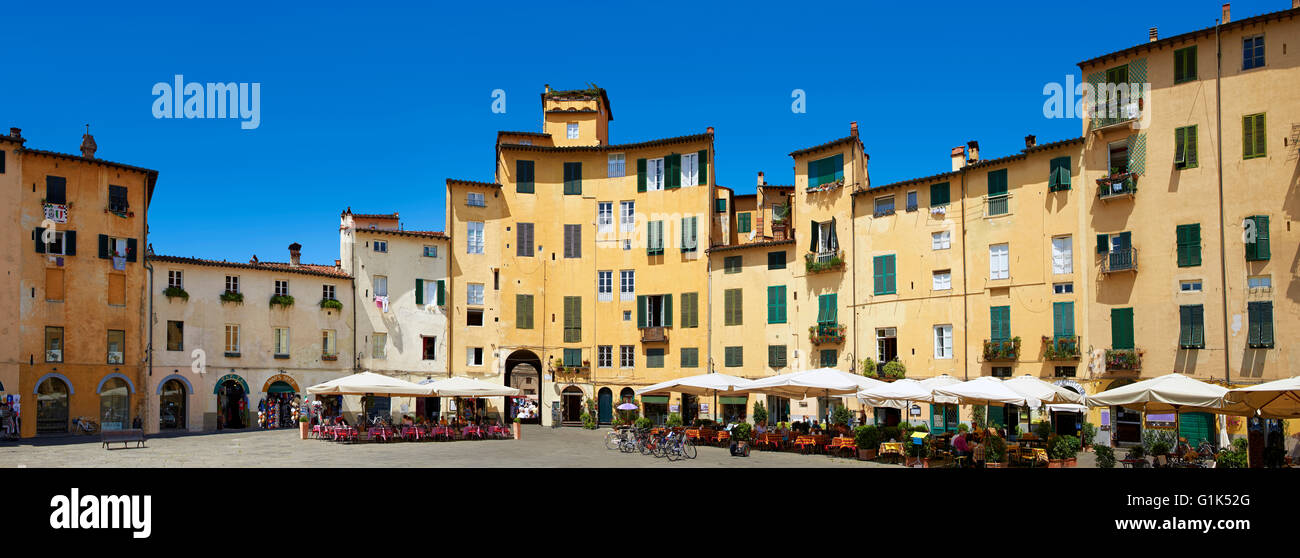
(1002, 350)
(1116, 112)
(997, 205)
(823, 261)
(1061, 348)
(781, 230)
(1123, 360)
(1121, 185)
(656, 334)
(827, 333)
(1116, 261)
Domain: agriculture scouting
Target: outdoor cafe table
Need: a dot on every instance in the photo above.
(501, 431)
(444, 432)
(413, 432)
(813, 440)
(693, 433)
(383, 432)
(772, 440)
(894, 448)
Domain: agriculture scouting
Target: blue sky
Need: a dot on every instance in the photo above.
(373, 105)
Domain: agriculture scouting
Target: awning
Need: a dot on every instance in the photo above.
(654, 399)
(733, 400)
(280, 387)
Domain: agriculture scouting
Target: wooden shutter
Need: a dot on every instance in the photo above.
(878, 275)
(130, 249)
(1262, 249)
(640, 311)
(103, 247)
(524, 311)
(939, 194)
(1189, 245)
(524, 177)
(673, 172)
(704, 167)
(812, 233)
(1000, 323)
(640, 175)
(668, 310)
(833, 243)
(40, 243)
(1063, 319)
(1121, 328)
(891, 275)
(70, 243)
(419, 291)
(997, 182)
(441, 293)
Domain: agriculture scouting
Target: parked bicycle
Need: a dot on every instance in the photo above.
(83, 425)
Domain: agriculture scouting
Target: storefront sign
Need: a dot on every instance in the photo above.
(266, 387)
(674, 408)
(56, 212)
(704, 408)
(216, 387)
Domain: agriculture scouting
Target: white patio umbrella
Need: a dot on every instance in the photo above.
(898, 394)
(1031, 386)
(986, 390)
(1276, 399)
(1169, 393)
(940, 381)
(369, 383)
(810, 383)
(702, 384)
(468, 387)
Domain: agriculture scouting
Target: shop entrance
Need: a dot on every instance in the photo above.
(523, 371)
(171, 405)
(690, 408)
(1126, 424)
(571, 411)
(232, 401)
(114, 404)
(52, 407)
(429, 407)
(278, 410)
(605, 407)
(887, 416)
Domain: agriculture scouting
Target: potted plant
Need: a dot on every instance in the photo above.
(516, 428)
(230, 296)
(644, 423)
(1105, 457)
(995, 452)
(894, 370)
(330, 304)
(176, 292)
(869, 368)
(867, 438)
(674, 420)
(283, 301)
(760, 413)
(304, 426)
(1087, 433)
(1160, 451)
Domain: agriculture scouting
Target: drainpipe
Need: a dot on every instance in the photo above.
(144, 257)
(1223, 225)
(965, 298)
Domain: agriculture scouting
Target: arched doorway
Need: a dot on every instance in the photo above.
(232, 402)
(571, 406)
(52, 406)
(114, 404)
(524, 372)
(171, 405)
(276, 411)
(605, 406)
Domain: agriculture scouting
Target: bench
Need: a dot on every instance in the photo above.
(125, 436)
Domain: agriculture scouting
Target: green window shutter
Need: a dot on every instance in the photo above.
(1000, 323)
(640, 311)
(833, 308)
(1103, 243)
(1191, 330)
(939, 194)
(776, 304)
(524, 311)
(814, 173)
(837, 172)
(688, 310)
(1059, 174)
(573, 178)
(668, 310)
(1198, 325)
(776, 356)
(640, 175)
(442, 292)
(1261, 140)
(997, 182)
(1121, 328)
(891, 275)
(742, 225)
(1190, 139)
(40, 244)
(419, 291)
(734, 310)
(1260, 316)
(1063, 319)
(1189, 245)
(673, 163)
(1185, 147)
(704, 167)
(1137, 153)
(1262, 248)
(1254, 142)
(524, 178)
(740, 307)
(686, 231)
(878, 275)
(884, 276)
(572, 319)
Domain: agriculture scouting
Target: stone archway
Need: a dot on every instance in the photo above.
(524, 371)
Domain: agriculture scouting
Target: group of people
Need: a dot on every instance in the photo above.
(971, 445)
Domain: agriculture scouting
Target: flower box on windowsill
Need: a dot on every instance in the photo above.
(827, 186)
(1061, 348)
(818, 263)
(826, 334)
(120, 212)
(283, 301)
(1002, 350)
(237, 298)
(279, 356)
(329, 357)
(1117, 185)
(176, 292)
(330, 304)
(1124, 359)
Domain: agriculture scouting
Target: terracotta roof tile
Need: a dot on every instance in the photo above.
(611, 147)
(279, 267)
(762, 244)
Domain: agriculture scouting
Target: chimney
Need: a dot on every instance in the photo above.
(1030, 141)
(709, 130)
(958, 158)
(88, 146)
(973, 151)
(761, 181)
(548, 88)
(1153, 35)
(16, 133)
(853, 129)
(1227, 12)
(295, 254)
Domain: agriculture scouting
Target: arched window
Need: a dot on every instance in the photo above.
(52, 406)
(171, 405)
(114, 405)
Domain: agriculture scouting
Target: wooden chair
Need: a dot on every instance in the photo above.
(1035, 456)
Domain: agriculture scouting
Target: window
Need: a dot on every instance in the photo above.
(1189, 245)
(1191, 326)
(998, 262)
(281, 341)
(828, 309)
(430, 251)
(1058, 174)
(1259, 282)
(997, 199)
(380, 246)
(573, 241)
(825, 171)
(734, 311)
(732, 264)
(54, 344)
(690, 357)
(604, 286)
(1185, 64)
(911, 201)
(429, 350)
(604, 217)
(327, 292)
(655, 175)
(380, 284)
(884, 206)
(64, 244)
(523, 311)
(617, 165)
(329, 346)
(573, 358)
(734, 357)
(474, 294)
(379, 345)
(1254, 141)
(1065, 371)
(886, 345)
(475, 199)
(474, 317)
(776, 357)
(281, 288)
(524, 177)
(232, 339)
(604, 356)
(1252, 52)
(943, 341)
(1190, 286)
(776, 260)
(1062, 320)
(1185, 147)
(474, 356)
(56, 190)
(1121, 328)
(626, 356)
(654, 358)
(654, 238)
(742, 223)
(1260, 334)
(690, 310)
(524, 240)
(999, 323)
(720, 205)
(884, 275)
(776, 304)
(690, 234)
(627, 216)
(1257, 238)
(1062, 255)
(691, 169)
(474, 238)
(1062, 288)
(116, 346)
(175, 279)
(627, 285)
(175, 335)
(942, 280)
(572, 130)
(572, 319)
(232, 283)
(1117, 157)
(941, 240)
(654, 311)
(1001, 372)
(828, 357)
(939, 194)
(54, 284)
